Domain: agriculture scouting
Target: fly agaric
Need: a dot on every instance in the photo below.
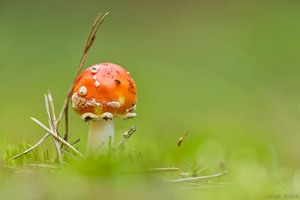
(100, 93)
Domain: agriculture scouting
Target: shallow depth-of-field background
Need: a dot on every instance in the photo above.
(227, 71)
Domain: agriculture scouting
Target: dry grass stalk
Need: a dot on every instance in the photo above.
(56, 136)
(53, 123)
(126, 137)
(89, 42)
(178, 147)
(198, 178)
(31, 148)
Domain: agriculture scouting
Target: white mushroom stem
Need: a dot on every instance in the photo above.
(100, 137)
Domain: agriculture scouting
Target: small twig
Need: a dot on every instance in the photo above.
(198, 178)
(178, 147)
(223, 184)
(66, 136)
(89, 42)
(44, 166)
(68, 153)
(93, 32)
(76, 141)
(49, 95)
(193, 187)
(56, 136)
(31, 148)
(126, 137)
(52, 123)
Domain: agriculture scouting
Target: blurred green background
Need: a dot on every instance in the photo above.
(227, 71)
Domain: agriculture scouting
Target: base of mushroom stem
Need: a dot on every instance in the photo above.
(100, 137)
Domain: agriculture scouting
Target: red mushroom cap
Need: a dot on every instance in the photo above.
(104, 90)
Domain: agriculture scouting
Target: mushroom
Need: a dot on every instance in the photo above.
(102, 92)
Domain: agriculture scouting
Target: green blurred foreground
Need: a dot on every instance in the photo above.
(226, 71)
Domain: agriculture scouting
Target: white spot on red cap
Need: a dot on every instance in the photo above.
(92, 103)
(97, 83)
(114, 104)
(94, 69)
(77, 101)
(82, 90)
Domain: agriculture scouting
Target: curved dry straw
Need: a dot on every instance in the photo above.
(53, 122)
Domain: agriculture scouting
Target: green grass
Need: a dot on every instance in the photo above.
(10, 150)
(129, 173)
(123, 171)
